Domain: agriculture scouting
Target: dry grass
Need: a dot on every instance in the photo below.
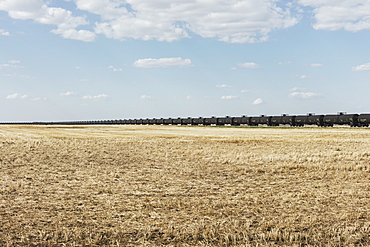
(181, 186)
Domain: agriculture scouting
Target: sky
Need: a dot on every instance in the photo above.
(118, 59)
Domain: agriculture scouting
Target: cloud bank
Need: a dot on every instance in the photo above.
(38, 11)
(349, 15)
(235, 21)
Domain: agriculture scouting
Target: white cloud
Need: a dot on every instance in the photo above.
(4, 33)
(68, 94)
(349, 15)
(258, 101)
(107, 9)
(249, 65)
(229, 97)
(9, 75)
(301, 76)
(7, 65)
(284, 63)
(245, 91)
(82, 35)
(297, 89)
(146, 97)
(95, 97)
(115, 69)
(361, 67)
(39, 99)
(189, 97)
(16, 75)
(38, 11)
(304, 95)
(162, 62)
(316, 65)
(17, 96)
(11, 64)
(243, 21)
(14, 61)
(223, 86)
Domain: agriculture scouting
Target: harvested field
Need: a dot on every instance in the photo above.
(184, 186)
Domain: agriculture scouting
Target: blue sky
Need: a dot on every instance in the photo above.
(116, 59)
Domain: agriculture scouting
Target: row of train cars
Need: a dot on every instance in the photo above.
(353, 120)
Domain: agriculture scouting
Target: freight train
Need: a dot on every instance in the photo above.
(353, 120)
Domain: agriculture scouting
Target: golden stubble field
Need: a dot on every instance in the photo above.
(184, 186)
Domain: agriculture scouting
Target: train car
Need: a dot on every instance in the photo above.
(363, 120)
(330, 120)
(229, 120)
(159, 121)
(237, 121)
(254, 121)
(348, 119)
(275, 120)
(313, 119)
(210, 121)
(186, 121)
(221, 121)
(341, 119)
(265, 120)
(167, 121)
(244, 120)
(284, 119)
(176, 121)
(300, 120)
(288, 120)
(198, 121)
(152, 121)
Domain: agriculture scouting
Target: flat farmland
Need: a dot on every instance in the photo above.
(184, 186)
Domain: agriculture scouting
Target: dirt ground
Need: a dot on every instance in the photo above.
(184, 186)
